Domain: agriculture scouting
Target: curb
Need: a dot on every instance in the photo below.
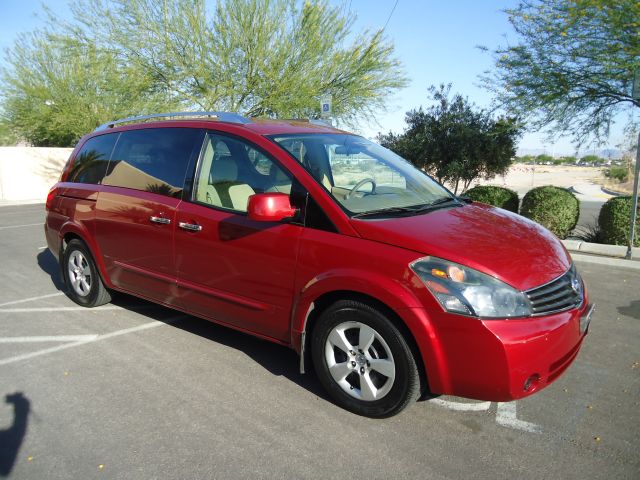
(613, 192)
(17, 203)
(600, 195)
(608, 261)
(616, 251)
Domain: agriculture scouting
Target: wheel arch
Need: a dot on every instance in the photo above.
(70, 231)
(426, 355)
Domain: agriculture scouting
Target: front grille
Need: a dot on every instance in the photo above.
(561, 294)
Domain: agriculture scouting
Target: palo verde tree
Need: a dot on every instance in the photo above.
(257, 57)
(571, 69)
(58, 89)
(455, 142)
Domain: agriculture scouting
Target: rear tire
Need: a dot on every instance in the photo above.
(363, 361)
(81, 277)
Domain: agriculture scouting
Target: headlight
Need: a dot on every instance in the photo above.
(461, 289)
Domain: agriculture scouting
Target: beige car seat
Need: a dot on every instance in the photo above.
(205, 191)
(221, 186)
(231, 192)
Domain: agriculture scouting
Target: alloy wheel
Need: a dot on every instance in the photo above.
(360, 361)
(79, 273)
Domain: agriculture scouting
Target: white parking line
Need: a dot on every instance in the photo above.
(463, 407)
(505, 413)
(50, 338)
(144, 326)
(32, 299)
(59, 309)
(506, 416)
(20, 226)
(42, 248)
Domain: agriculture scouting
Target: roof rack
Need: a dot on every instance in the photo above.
(221, 116)
(313, 121)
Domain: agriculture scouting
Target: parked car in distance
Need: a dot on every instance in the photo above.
(325, 242)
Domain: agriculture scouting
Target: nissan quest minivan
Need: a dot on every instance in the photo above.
(320, 240)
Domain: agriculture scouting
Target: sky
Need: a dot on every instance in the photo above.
(435, 40)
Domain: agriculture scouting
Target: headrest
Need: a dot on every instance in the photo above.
(224, 169)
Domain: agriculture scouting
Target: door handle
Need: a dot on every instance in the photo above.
(192, 227)
(161, 220)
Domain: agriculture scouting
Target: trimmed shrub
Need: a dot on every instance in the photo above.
(496, 196)
(615, 219)
(552, 207)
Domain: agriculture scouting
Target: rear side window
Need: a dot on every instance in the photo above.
(154, 160)
(90, 165)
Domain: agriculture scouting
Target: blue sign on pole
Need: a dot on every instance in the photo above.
(325, 106)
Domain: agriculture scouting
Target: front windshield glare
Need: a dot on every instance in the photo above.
(361, 175)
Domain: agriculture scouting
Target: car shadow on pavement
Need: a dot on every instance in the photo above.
(12, 437)
(276, 359)
(633, 310)
(48, 263)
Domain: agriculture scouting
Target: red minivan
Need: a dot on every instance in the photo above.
(325, 242)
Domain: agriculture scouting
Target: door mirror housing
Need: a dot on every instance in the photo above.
(270, 207)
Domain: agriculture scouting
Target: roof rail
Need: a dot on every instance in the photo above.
(314, 121)
(221, 116)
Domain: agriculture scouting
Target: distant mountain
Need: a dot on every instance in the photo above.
(608, 153)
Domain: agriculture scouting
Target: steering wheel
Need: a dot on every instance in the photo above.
(362, 182)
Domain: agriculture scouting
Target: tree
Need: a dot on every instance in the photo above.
(572, 68)
(454, 142)
(592, 159)
(525, 159)
(257, 57)
(544, 158)
(569, 160)
(7, 137)
(60, 89)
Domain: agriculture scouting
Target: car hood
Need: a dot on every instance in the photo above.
(497, 242)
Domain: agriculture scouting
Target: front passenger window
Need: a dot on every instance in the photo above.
(232, 170)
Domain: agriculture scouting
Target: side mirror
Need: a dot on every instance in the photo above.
(270, 207)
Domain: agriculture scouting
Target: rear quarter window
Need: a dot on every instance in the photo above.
(153, 160)
(90, 164)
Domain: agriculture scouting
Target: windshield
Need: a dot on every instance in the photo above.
(363, 176)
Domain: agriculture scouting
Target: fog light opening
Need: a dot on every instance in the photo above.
(531, 383)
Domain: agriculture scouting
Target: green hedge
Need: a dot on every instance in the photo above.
(553, 207)
(496, 196)
(615, 219)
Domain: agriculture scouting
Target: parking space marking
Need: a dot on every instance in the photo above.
(506, 413)
(506, 416)
(49, 338)
(20, 226)
(31, 299)
(59, 309)
(42, 248)
(462, 407)
(125, 331)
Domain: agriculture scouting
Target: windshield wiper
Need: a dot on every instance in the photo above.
(412, 210)
(443, 200)
(390, 210)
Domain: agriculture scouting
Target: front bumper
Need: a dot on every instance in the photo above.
(504, 360)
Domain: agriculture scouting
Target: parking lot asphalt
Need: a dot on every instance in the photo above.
(133, 390)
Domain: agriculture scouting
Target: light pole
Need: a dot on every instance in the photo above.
(635, 94)
(634, 202)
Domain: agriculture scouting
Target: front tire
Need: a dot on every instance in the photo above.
(363, 360)
(81, 277)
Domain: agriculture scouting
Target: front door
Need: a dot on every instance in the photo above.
(231, 269)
